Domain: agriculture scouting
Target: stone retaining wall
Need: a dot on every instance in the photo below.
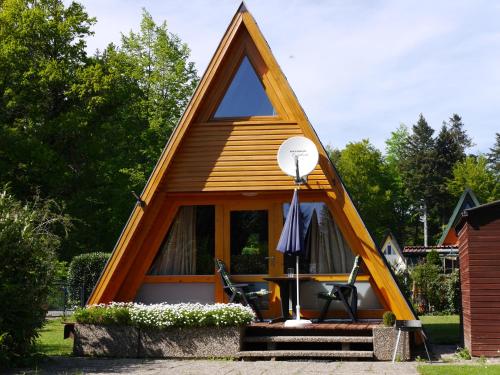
(125, 341)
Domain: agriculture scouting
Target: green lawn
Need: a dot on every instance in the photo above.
(442, 329)
(459, 369)
(51, 340)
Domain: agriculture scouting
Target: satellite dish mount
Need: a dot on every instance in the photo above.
(298, 180)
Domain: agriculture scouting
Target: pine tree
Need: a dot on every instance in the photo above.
(462, 140)
(418, 171)
(451, 144)
(418, 162)
(494, 158)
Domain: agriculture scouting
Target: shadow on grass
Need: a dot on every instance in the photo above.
(443, 333)
(442, 329)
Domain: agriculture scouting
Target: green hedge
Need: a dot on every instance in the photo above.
(83, 273)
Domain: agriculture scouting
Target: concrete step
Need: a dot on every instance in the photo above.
(306, 354)
(315, 339)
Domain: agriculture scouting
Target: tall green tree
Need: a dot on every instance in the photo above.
(85, 130)
(418, 162)
(364, 173)
(451, 143)
(42, 46)
(473, 173)
(419, 174)
(396, 147)
(133, 96)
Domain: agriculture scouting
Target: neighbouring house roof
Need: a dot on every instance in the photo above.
(479, 215)
(467, 200)
(415, 250)
(397, 247)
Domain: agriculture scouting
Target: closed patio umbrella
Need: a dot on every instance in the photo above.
(292, 243)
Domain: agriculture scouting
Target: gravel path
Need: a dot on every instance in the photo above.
(72, 365)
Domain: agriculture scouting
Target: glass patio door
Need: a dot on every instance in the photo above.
(249, 242)
(249, 248)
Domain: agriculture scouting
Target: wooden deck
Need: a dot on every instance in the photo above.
(330, 326)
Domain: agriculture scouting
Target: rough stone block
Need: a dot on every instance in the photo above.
(384, 343)
(203, 342)
(106, 341)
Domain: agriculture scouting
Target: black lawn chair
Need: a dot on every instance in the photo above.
(239, 293)
(346, 293)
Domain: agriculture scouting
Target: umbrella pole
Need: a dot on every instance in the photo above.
(297, 307)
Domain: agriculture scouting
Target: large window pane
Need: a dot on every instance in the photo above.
(189, 246)
(326, 250)
(249, 242)
(245, 96)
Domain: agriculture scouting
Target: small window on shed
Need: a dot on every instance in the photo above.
(245, 96)
(389, 249)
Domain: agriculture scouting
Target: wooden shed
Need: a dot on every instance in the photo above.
(217, 192)
(479, 250)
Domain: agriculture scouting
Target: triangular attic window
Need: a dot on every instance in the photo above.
(245, 96)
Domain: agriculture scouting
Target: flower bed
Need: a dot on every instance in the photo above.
(186, 330)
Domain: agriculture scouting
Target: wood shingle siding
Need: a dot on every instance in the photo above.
(224, 156)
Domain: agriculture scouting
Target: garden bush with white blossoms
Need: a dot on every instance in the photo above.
(163, 315)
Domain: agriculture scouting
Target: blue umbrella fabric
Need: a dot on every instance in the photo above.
(291, 240)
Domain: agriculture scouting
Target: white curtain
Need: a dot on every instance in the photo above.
(177, 256)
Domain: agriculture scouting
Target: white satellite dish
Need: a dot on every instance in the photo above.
(297, 157)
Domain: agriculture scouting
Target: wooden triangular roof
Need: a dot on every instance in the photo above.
(241, 37)
(467, 200)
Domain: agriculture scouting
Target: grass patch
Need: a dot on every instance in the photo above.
(442, 329)
(51, 340)
(459, 369)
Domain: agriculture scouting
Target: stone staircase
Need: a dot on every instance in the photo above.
(321, 341)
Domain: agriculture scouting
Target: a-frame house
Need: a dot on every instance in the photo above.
(217, 191)
(467, 200)
(392, 252)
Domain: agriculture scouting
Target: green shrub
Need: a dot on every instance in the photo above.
(116, 313)
(432, 257)
(28, 244)
(463, 353)
(404, 281)
(389, 319)
(429, 284)
(83, 273)
(453, 292)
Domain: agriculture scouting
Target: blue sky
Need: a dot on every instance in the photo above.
(359, 68)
